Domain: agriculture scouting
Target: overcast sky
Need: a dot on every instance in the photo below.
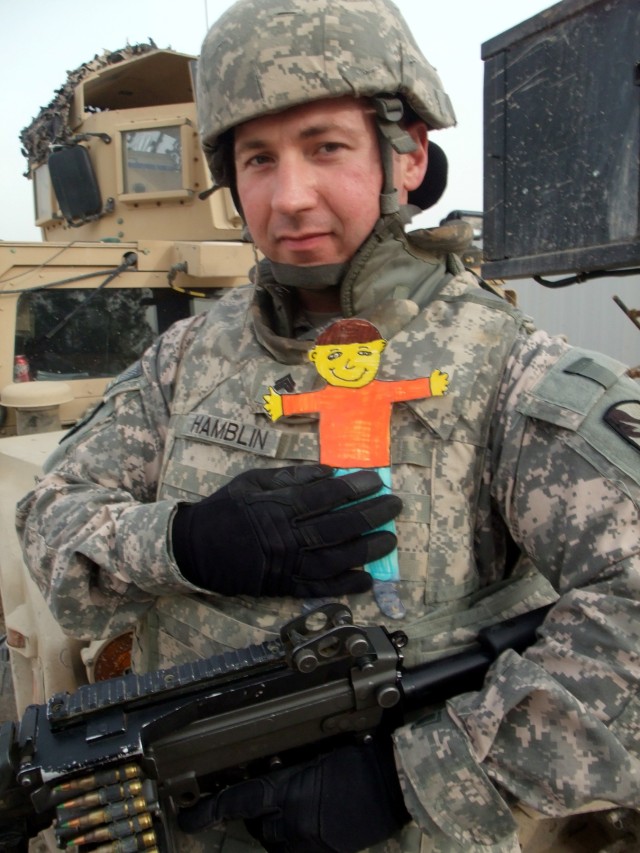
(40, 40)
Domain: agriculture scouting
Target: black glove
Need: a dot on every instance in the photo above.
(341, 802)
(285, 531)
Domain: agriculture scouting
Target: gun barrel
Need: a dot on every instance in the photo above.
(438, 680)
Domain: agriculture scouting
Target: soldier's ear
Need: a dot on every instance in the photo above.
(312, 354)
(411, 168)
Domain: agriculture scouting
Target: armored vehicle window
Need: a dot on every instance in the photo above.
(152, 160)
(83, 333)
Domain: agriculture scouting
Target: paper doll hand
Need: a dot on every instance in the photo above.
(439, 382)
(273, 404)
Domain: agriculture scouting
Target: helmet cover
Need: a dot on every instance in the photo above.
(265, 56)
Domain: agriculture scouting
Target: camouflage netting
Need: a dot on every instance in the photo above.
(51, 125)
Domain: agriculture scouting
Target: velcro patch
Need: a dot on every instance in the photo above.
(624, 418)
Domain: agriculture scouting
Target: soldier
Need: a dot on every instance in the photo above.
(179, 507)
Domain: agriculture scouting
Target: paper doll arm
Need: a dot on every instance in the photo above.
(273, 404)
(439, 382)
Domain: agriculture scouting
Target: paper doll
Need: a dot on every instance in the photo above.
(354, 411)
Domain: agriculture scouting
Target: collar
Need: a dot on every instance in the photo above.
(391, 277)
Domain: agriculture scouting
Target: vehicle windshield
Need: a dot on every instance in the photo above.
(86, 333)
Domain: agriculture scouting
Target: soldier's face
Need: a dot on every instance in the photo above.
(309, 181)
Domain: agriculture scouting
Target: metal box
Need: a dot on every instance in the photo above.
(562, 141)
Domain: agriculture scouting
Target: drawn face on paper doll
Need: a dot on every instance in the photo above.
(348, 353)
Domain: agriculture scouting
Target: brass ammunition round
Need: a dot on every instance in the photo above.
(101, 777)
(127, 845)
(102, 796)
(120, 829)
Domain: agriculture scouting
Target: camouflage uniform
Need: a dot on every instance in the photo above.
(519, 488)
(517, 452)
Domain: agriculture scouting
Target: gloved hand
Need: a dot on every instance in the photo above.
(286, 531)
(341, 802)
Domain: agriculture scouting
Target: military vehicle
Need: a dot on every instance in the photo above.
(132, 239)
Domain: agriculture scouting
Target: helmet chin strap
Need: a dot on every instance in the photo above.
(391, 137)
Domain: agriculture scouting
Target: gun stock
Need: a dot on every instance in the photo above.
(113, 759)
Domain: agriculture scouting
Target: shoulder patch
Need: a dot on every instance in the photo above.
(624, 418)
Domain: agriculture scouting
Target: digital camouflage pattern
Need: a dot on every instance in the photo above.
(517, 452)
(263, 56)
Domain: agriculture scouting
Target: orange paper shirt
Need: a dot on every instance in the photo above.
(355, 423)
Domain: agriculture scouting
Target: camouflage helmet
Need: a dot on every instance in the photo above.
(265, 56)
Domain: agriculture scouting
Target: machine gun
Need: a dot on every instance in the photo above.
(110, 762)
